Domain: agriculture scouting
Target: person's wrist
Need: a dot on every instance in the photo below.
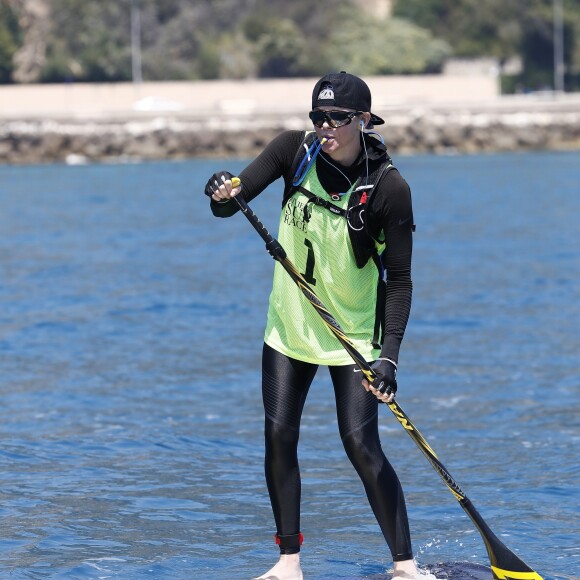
(388, 360)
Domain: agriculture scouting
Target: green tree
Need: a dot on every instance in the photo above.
(237, 60)
(537, 45)
(90, 41)
(10, 39)
(504, 29)
(470, 27)
(280, 49)
(303, 28)
(173, 44)
(393, 46)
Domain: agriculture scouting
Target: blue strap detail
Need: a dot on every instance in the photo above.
(309, 158)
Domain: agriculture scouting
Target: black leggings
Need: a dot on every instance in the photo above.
(285, 384)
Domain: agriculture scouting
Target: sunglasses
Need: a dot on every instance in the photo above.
(334, 119)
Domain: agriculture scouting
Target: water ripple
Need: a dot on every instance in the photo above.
(131, 417)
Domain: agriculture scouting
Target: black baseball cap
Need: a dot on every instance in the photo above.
(344, 90)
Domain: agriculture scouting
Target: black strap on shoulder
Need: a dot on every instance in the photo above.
(316, 200)
(377, 175)
(307, 142)
(379, 331)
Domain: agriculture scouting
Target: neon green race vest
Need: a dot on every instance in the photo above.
(320, 247)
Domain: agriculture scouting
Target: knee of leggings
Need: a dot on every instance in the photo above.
(280, 438)
(362, 455)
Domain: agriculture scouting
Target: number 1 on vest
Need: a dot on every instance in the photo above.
(309, 274)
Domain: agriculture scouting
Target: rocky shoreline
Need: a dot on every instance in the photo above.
(504, 124)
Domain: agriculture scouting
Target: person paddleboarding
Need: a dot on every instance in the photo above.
(347, 223)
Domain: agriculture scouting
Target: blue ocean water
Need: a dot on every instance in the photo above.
(131, 326)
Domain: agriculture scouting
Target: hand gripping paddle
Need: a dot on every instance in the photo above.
(505, 565)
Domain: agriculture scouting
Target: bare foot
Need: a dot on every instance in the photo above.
(287, 568)
(407, 570)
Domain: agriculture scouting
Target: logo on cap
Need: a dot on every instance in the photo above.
(326, 93)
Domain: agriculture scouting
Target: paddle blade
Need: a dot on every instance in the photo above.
(505, 565)
(506, 575)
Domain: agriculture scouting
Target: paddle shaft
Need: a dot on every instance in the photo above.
(505, 564)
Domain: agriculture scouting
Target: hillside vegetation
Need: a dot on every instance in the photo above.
(91, 40)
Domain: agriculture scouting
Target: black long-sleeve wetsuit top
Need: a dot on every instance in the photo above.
(390, 212)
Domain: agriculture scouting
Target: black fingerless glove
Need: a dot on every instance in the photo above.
(386, 371)
(215, 181)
